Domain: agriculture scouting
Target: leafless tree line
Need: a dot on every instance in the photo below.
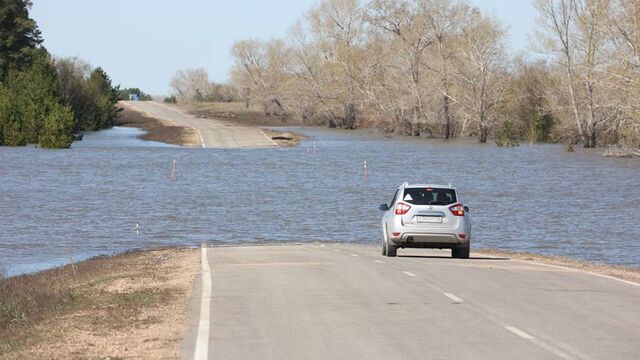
(194, 85)
(440, 68)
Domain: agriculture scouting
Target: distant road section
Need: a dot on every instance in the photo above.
(339, 301)
(212, 133)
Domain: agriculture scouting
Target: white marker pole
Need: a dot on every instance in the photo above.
(366, 172)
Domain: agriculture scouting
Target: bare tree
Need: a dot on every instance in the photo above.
(482, 71)
(557, 22)
(624, 31)
(445, 19)
(190, 84)
(261, 72)
(338, 30)
(591, 40)
(408, 24)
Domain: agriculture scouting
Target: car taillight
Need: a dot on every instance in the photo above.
(402, 208)
(457, 209)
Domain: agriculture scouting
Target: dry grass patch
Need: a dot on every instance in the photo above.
(237, 114)
(127, 306)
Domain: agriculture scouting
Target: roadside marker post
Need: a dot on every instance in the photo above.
(366, 172)
(173, 171)
(71, 261)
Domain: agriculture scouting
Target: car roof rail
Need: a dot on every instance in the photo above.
(406, 183)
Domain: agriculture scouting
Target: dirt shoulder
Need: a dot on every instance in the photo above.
(156, 129)
(126, 306)
(622, 272)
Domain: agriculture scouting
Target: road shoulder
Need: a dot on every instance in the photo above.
(131, 305)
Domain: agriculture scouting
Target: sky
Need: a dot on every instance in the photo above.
(142, 43)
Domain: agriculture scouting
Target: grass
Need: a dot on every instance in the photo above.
(11, 312)
(28, 301)
(223, 107)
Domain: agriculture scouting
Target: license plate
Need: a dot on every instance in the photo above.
(429, 219)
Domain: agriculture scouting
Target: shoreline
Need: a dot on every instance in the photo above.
(166, 132)
(235, 114)
(135, 304)
(627, 272)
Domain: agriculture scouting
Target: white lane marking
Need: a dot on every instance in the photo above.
(200, 135)
(355, 255)
(409, 273)
(582, 271)
(378, 261)
(455, 299)
(566, 347)
(519, 332)
(559, 353)
(201, 351)
(336, 249)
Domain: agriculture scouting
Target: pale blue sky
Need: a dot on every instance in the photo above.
(143, 42)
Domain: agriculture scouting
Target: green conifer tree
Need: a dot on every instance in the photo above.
(19, 34)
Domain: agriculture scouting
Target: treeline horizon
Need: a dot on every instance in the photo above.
(440, 68)
(46, 100)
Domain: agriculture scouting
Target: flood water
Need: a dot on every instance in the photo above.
(88, 199)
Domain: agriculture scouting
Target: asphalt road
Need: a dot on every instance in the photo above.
(212, 133)
(349, 302)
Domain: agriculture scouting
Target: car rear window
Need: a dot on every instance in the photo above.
(429, 196)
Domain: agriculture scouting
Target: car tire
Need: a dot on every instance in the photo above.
(384, 248)
(391, 250)
(460, 252)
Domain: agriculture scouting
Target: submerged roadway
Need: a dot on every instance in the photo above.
(339, 301)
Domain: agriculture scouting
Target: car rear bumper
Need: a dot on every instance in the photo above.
(428, 240)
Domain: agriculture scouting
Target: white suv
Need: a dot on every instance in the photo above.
(426, 216)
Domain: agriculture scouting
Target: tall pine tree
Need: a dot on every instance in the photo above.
(19, 36)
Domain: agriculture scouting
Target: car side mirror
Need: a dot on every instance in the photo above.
(384, 207)
(466, 209)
